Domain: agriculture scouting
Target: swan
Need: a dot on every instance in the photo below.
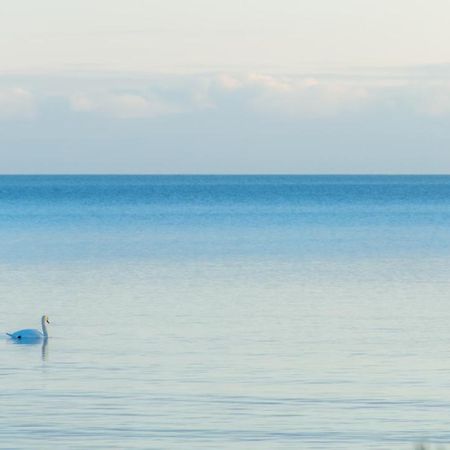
(31, 334)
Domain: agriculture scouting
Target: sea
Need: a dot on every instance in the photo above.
(225, 312)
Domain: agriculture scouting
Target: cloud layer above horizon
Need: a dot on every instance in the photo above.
(290, 97)
(232, 122)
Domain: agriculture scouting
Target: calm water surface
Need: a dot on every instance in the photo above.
(225, 312)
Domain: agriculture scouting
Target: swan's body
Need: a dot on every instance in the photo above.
(31, 334)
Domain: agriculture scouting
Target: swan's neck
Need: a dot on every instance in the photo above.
(44, 328)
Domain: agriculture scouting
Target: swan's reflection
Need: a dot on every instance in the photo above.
(44, 349)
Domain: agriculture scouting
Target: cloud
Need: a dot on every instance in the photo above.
(125, 106)
(81, 103)
(305, 97)
(229, 82)
(286, 97)
(16, 103)
(294, 97)
(297, 97)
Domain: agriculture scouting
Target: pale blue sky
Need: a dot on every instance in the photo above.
(197, 86)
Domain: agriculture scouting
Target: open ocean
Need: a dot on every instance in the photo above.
(225, 312)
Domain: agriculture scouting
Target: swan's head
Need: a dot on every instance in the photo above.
(44, 319)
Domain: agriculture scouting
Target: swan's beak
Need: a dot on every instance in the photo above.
(48, 321)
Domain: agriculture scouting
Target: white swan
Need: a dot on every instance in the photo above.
(31, 334)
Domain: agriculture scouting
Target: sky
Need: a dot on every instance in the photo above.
(242, 86)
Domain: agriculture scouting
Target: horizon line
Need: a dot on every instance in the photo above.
(225, 174)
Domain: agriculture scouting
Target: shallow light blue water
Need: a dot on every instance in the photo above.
(225, 312)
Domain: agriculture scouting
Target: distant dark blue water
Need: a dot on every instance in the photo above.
(226, 312)
(223, 216)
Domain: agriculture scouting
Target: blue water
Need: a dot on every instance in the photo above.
(225, 312)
